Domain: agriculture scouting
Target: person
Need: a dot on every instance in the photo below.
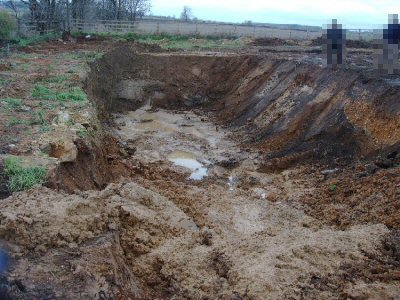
(335, 44)
(390, 46)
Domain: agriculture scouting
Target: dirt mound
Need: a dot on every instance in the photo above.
(358, 44)
(98, 162)
(154, 250)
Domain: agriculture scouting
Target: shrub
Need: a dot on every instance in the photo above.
(7, 25)
(22, 178)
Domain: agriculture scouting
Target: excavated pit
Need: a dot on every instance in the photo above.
(234, 177)
(292, 111)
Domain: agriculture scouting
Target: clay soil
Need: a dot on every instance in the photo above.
(300, 197)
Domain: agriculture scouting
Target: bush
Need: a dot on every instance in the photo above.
(22, 178)
(7, 25)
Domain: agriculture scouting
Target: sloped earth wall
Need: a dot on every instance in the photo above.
(292, 111)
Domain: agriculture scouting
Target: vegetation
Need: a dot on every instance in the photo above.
(35, 39)
(7, 25)
(22, 178)
(171, 41)
(12, 103)
(73, 94)
(48, 15)
(37, 118)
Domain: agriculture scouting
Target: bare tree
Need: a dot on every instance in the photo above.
(186, 14)
(137, 8)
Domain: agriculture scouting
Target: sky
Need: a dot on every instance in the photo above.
(353, 14)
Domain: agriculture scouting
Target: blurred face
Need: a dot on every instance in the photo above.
(393, 19)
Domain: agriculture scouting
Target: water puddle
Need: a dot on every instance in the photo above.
(188, 160)
(153, 125)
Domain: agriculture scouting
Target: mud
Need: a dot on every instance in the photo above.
(300, 198)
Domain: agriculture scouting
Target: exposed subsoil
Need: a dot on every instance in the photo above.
(216, 175)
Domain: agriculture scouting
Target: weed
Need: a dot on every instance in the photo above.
(38, 118)
(74, 94)
(14, 121)
(42, 92)
(4, 81)
(45, 128)
(35, 39)
(333, 187)
(81, 133)
(12, 103)
(22, 178)
(55, 79)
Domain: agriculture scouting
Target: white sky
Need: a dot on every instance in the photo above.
(351, 13)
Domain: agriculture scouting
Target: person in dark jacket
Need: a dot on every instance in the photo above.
(387, 58)
(335, 44)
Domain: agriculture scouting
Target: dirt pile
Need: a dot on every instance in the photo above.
(129, 241)
(293, 111)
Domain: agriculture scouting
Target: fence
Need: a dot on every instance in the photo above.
(154, 26)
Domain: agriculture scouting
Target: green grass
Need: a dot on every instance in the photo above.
(37, 118)
(73, 94)
(56, 79)
(333, 187)
(22, 178)
(12, 103)
(4, 81)
(174, 41)
(82, 133)
(35, 39)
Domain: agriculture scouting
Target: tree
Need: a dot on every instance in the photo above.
(186, 14)
(7, 25)
(137, 8)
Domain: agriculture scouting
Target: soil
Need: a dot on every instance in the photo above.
(298, 196)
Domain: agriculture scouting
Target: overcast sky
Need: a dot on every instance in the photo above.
(352, 13)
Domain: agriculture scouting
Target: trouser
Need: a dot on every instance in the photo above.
(387, 58)
(335, 54)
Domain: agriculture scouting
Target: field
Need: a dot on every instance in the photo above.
(138, 166)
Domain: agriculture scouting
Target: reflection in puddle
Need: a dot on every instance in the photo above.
(188, 160)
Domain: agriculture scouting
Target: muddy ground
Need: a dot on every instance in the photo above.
(248, 174)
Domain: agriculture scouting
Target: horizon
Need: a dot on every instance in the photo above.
(352, 14)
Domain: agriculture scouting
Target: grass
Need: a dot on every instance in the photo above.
(56, 79)
(333, 187)
(171, 41)
(81, 133)
(12, 103)
(22, 178)
(44, 93)
(35, 39)
(37, 118)
(4, 81)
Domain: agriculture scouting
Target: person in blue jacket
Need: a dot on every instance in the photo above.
(335, 44)
(390, 49)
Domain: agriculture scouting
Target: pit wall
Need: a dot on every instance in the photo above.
(291, 111)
